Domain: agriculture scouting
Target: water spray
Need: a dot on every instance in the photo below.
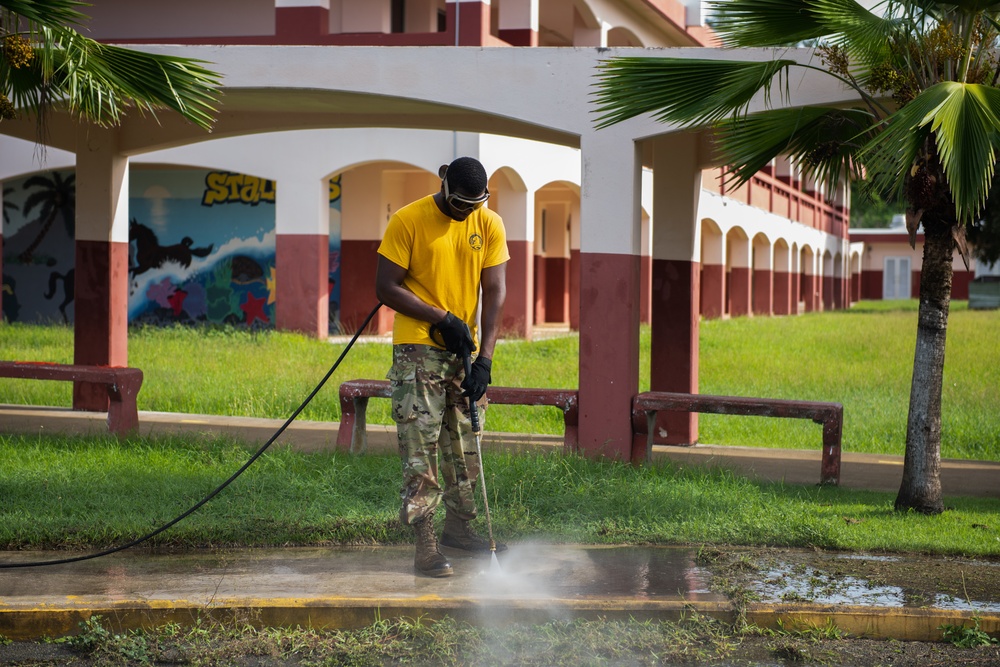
(478, 433)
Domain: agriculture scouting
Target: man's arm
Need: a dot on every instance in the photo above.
(390, 291)
(494, 284)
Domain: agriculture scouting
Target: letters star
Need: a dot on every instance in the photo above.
(254, 309)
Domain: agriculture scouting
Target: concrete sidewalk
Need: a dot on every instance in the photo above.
(344, 587)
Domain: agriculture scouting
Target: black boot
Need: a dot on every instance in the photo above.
(459, 535)
(429, 560)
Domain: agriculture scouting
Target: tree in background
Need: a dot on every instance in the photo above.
(924, 131)
(45, 62)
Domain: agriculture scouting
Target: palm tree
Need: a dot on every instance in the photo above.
(8, 205)
(57, 195)
(45, 63)
(925, 131)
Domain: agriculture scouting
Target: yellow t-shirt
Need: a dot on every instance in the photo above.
(444, 259)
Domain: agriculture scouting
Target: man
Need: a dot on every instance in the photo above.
(436, 255)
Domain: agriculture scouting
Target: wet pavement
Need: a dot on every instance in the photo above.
(352, 586)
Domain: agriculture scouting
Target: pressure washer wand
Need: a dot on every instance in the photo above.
(476, 431)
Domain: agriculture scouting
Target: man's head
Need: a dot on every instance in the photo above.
(463, 185)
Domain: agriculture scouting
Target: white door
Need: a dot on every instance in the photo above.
(896, 278)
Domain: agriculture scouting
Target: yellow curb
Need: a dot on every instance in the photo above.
(905, 624)
(58, 620)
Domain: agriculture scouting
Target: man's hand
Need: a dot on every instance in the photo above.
(456, 335)
(478, 379)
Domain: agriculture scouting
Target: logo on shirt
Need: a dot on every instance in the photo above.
(476, 242)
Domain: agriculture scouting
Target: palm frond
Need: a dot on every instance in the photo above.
(99, 81)
(964, 120)
(687, 92)
(825, 141)
(866, 36)
(744, 23)
(967, 129)
(45, 12)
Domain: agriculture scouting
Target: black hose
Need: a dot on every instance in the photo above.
(218, 489)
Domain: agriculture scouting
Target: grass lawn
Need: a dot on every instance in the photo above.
(80, 493)
(862, 358)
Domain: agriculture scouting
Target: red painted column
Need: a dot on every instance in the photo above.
(782, 293)
(713, 291)
(739, 291)
(609, 352)
(302, 300)
(557, 289)
(358, 261)
(100, 328)
(472, 20)
(540, 287)
(809, 291)
(101, 315)
(301, 25)
(674, 353)
(574, 289)
(796, 287)
(517, 308)
(763, 292)
(645, 289)
(827, 292)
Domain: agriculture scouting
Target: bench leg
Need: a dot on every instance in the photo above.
(123, 414)
(571, 430)
(359, 431)
(346, 423)
(832, 431)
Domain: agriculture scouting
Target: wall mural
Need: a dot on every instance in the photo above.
(201, 248)
(38, 227)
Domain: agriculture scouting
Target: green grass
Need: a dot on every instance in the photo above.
(862, 358)
(76, 493)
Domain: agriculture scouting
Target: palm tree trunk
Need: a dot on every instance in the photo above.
(921, 486)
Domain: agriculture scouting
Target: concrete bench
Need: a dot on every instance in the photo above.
(830, 415)
(123, 386)
(354, 395)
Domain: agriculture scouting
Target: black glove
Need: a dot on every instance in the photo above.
(478, 379)
(456, 335)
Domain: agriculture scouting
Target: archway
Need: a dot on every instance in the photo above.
(738, 283)
(713, 270)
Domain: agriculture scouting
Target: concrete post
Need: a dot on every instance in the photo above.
(609, 292)
(676, 273)
(302, 249)
(100, 330)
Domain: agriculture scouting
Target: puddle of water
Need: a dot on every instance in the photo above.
(784, 583)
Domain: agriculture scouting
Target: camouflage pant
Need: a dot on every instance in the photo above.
(429, 412)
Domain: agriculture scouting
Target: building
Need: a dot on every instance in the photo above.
(333, 170)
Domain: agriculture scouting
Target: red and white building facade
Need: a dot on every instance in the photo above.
(606, 228)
